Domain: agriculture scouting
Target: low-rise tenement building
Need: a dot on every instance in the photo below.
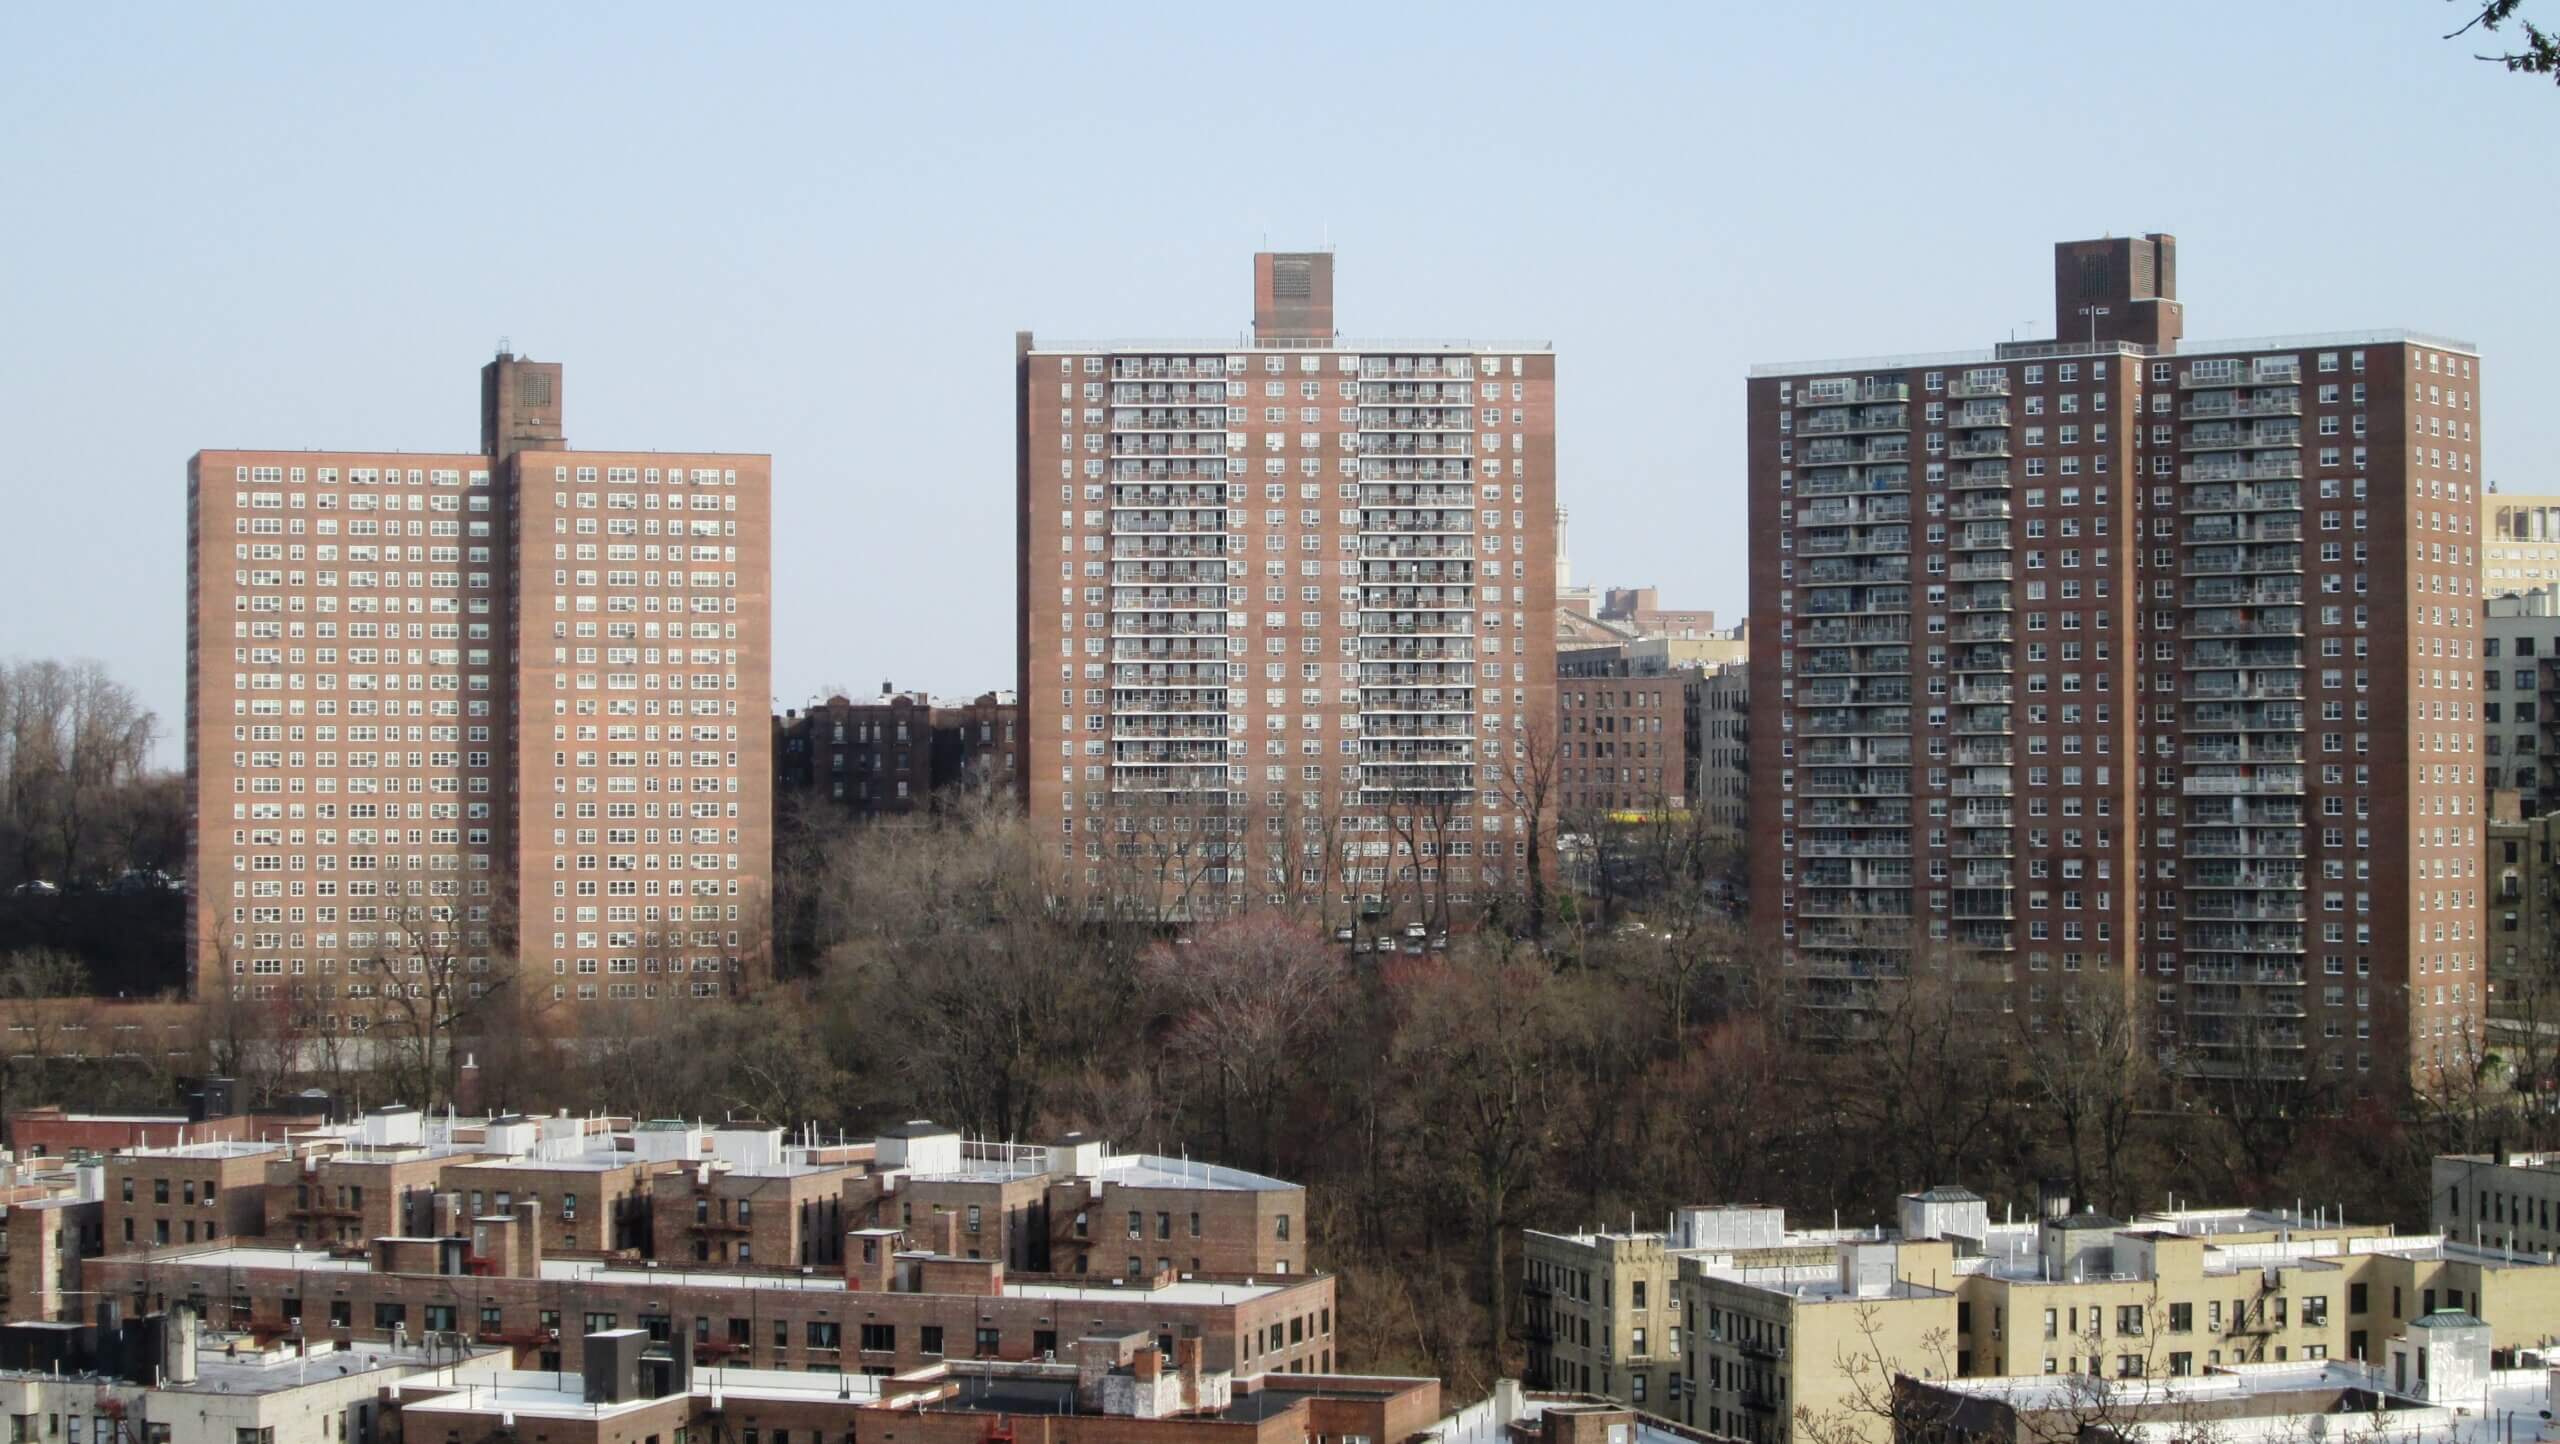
(1766, 1314)
(1601, 1313)
(1074, 1207)
(1723, 749)
(2438, 1383)
(187, 1192)
(757, 1199)
(378, 1179)
(1622, 736)
(1512, 1414)
(2501, 1200)
(901, 753)
(1104, 1388)
(161, 1378)
(897, 1301)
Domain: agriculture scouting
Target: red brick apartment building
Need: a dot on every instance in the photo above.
(1624, 733)
(1284, 587)
(2130, 662)
(503, 702)
(897, 755)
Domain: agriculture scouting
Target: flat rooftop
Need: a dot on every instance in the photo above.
(2046, 350)
(1183, 1291)
(545, 1395)
(1148, 1170)
(1212, 345)
(220, 1371)
(220, 1148)
(596, 1162)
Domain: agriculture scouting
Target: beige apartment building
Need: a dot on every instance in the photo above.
(1602, 1316)
(1286, 609)
(1775, 1325)
(2520, 535)
(510, 702)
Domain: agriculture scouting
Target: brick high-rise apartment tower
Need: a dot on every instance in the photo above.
(447, 709)
(2130, 663)
(1286, 608)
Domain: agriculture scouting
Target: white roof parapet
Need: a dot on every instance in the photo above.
(1199, 345)
(2043, 350)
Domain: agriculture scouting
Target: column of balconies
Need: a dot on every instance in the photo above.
(1852, 699)
(2243, 793)
(1170, 630)
(1416, 645)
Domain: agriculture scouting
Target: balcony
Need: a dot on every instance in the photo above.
(1410, 546)
(1374, 445)
(1966, 388)
(1417, 418)
(1847, 453)
(2243, 498)
(2254, 688)
(2212, 530)
(2281, 592)
(1979, 415)
(1973, 447)
(2274, 622)
(2272, 403)
(2235, 910)
(1850, 393)
(2287, 749)
(1132, 392)
(2276, 781)
(1885, 479)
(2216, 374)
(1166, 549)
(1883, 629)
(1124, 444)
(1980, 508)
(1865, 421)
(1410, 702)
(1166, 627)
(2241, 438)
(2242, 558)
(1392, 495)
(1130, 496)
(2287, 468)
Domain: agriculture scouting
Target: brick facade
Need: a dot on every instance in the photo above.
(1286, 577)
(561, 660)
(2135, 663)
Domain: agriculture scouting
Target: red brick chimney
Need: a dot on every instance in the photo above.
(1147, 1364)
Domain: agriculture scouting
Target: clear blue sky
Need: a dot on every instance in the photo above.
(814, 231)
